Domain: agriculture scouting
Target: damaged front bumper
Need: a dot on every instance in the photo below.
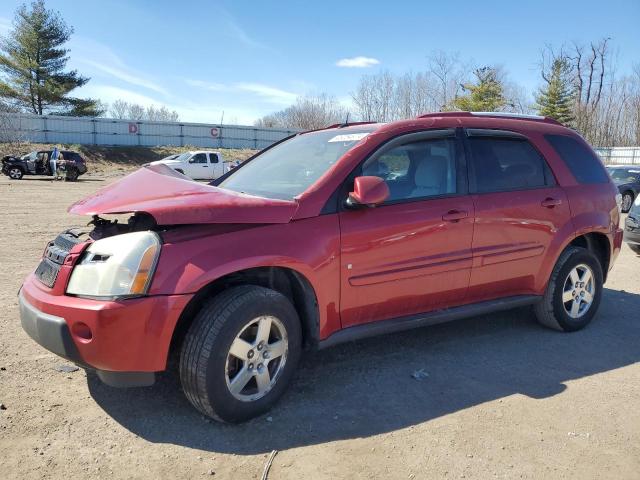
(125, 341)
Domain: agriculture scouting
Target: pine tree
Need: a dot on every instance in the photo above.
(556, 99)
(33, 61)
(486, 95)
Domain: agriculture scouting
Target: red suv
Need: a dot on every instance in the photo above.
(326, 237)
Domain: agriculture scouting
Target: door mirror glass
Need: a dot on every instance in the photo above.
(368, 191)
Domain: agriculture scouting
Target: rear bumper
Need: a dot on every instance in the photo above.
(125, 341)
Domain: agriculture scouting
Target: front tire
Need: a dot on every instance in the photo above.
(240, 353)
(15, 173)
(573, 293)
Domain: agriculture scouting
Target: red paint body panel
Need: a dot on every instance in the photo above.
(404, 259)
(128, 335)
(310, 247)
(513, 235)
(172, 199)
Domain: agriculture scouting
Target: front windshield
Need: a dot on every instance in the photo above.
(624, 175)
(181, 157)
(288, 169)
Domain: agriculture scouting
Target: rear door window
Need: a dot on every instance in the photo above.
(503, 164)
(584, 164)
(213, 158)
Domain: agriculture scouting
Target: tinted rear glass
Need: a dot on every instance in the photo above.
(585, 166)
(501, 164)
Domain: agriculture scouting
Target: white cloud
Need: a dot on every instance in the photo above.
(270, 94)
(126, 76)
(101, 58)
(264, 92)
(109, 94)
(215, 87)
(357, 62)
(234, 30)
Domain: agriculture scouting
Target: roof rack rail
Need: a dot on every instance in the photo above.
(521, 116)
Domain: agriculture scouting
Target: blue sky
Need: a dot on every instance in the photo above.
(250, 58)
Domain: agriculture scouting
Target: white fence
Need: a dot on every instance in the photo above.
(619, 155)
(106, 131)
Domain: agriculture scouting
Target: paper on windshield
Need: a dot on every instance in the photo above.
(351, 137)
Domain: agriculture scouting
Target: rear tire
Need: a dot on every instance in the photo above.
(71, 175)
(573, 293)
(262, 329)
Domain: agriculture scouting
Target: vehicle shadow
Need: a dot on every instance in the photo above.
(366, 388)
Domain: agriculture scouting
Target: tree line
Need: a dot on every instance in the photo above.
(579, 86)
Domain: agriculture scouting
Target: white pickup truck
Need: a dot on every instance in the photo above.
(199, 165)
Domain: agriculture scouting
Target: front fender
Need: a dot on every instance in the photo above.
(310, 247)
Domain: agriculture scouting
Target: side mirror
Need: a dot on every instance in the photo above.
(192, 159)
(368, 191)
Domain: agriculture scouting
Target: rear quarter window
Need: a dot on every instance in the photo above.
(585, 166)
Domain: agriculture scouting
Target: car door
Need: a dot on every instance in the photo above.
(215, 166)
(518, 209)
(411, 254)
(199, 166)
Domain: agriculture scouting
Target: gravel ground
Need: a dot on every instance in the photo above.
(496, 396)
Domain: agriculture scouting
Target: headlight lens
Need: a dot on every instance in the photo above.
(118, 266)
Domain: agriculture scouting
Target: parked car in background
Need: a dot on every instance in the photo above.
(627, 179)
(329, 236)
(199, 165)
(70, 166)
(632, 227)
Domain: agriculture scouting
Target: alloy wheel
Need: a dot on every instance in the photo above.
(256, 358)
(578, 291)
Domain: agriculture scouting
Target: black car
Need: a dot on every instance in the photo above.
(70, 165)
(632, 228)
(627, 179)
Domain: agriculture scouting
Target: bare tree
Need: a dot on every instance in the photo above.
(122, 109)
(309, 112)
(119, 109)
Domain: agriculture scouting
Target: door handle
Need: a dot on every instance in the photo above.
(551, 202)
(455, 215)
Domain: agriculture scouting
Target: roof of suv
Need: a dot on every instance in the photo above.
(497, 120)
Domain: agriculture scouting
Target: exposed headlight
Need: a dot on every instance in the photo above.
(118, 266)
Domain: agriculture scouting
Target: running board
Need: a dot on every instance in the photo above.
(373, 329)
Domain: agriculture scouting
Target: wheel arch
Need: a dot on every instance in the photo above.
(598, 244)
(287, 281)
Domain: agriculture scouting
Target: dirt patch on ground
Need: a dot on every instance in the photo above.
(497, 396)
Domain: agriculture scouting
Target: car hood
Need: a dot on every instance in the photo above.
(173, 199)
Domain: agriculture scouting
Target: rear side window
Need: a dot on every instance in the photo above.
(501, 164)
(213, 158)
(585, 166)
